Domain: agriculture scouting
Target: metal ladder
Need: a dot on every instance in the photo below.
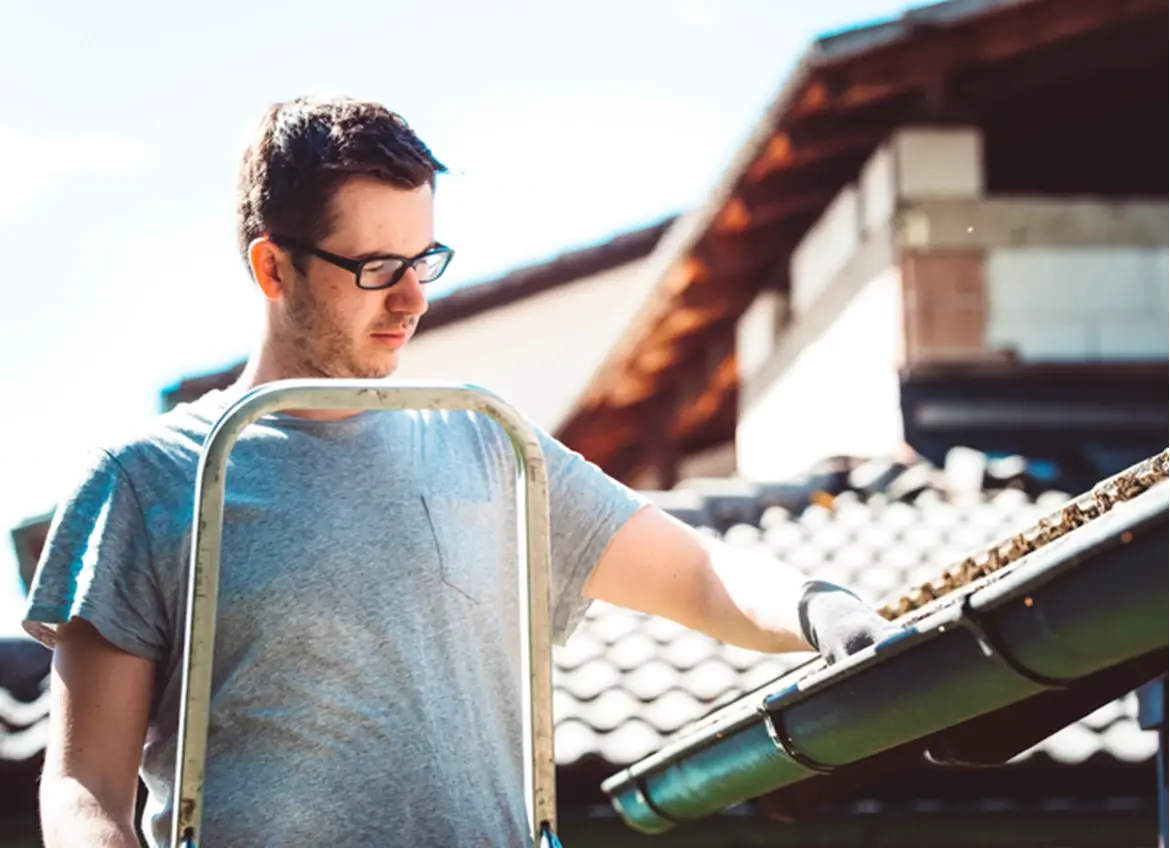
(203, 580)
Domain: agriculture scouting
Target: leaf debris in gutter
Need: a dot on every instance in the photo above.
(980, 567)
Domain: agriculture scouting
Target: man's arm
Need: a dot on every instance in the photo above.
(99, 707)
(659, 565)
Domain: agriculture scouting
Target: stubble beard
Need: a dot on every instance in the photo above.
(319, 345)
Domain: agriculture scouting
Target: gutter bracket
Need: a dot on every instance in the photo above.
(643, 794)
(778, 733)
(993, 647)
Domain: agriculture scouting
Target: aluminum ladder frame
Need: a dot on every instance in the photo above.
(533, 541)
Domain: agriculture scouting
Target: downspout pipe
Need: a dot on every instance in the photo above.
(1083, 603)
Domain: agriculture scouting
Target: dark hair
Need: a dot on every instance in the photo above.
(304, 149)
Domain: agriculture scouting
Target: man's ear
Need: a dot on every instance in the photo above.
(268, 267)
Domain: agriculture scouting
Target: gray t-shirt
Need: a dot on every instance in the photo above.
(366, 687)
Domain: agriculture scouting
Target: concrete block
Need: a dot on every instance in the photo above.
(937, 162)
(1013, 222)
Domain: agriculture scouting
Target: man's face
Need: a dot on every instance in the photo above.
(330, 326)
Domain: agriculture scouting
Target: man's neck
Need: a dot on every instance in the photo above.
(265, 367)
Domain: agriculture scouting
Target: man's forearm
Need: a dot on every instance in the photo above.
(752, 600)
(658, 565)
(73, 817)
(759, 602)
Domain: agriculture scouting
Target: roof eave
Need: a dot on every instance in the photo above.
(684, 235)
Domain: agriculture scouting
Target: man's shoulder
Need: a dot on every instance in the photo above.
(166, 443)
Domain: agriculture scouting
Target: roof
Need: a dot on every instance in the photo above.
(855, 41)
(1028, 72)
(24, 703)
(28, 537)
(626, 683)
(479, 297)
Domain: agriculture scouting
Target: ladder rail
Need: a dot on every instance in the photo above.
(533, 543)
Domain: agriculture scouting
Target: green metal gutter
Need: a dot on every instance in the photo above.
(1084, 602)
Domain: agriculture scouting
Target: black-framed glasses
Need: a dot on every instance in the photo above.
(382, 271)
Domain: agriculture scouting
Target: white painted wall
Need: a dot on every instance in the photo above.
(538, 353)
(839, 396)
(825, 249)
(756, 332)
(877, 194)
(1079, 303)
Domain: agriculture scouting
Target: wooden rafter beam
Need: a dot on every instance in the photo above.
(632, 460)
(682, 275)
(706, 406)
(783, 153)
(701, 384)
(827, 175)
(773, 212)
(710, 291)
(669, 343)
(874, 119)
(736, 258)
(706, 388)
(915, 61)
(662, 447)
(705, 362)
(684, 322)
(623, 419)
(695, 361)
(613, 386)
(685, 330)
(609, 431)
(739, 220)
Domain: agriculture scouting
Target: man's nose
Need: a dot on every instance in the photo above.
(408, 296)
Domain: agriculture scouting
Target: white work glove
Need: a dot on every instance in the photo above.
(838, 623)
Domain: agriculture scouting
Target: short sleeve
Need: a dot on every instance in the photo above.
(587, 508)
(96, 565)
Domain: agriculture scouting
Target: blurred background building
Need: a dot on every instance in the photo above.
(925, 303)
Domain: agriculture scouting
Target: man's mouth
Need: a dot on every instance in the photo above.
(391, 338)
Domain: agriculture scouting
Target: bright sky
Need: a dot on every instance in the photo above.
(120, 125)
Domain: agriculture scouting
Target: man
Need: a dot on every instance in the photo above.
(366, 684)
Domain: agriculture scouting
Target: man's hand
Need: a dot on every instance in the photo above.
(838, 623)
